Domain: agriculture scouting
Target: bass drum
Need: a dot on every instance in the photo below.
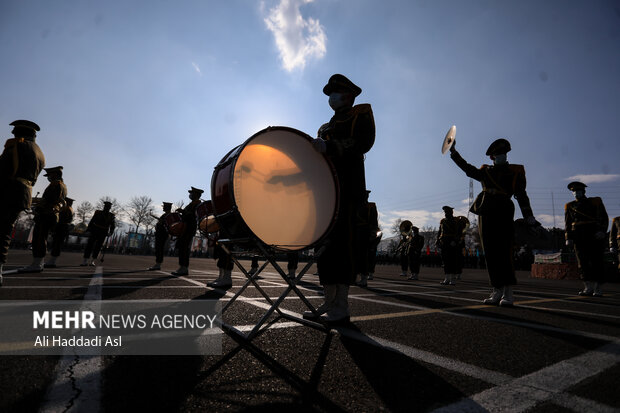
(277, 188)
(174, 224)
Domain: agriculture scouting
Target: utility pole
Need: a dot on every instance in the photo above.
(471, 195)
(553, 208)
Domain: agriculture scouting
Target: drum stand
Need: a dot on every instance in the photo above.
(270, 258)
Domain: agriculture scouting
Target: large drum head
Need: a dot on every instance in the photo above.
(285, 191)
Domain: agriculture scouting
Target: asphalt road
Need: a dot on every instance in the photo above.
(413, 346)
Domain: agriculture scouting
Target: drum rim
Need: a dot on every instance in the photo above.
(231, 192)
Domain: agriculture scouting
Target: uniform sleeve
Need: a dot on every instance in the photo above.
(601, 216)
(568, 222)
(470, 170)
(613, 234)
(520, 193)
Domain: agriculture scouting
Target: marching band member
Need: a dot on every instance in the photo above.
(184, 241)
(344, 139)
(100, 226)
(65, 218)
(21, 162)
(161, 236)
(585, 223)
(614, 238)
(451, 240)
(46, 214)
(500, 182)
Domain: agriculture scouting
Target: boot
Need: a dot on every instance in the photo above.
(84, 262)
(363, 282)
(458, 276)
(224, 282)
(588, 288)
(403, 273)
(155, 267)
(329, 291)
(181, 271)
(598, 289)
(494, 298)
(413, 276)
(339, 314)
(371, 276)
(36, 266)
(210, 284)
(447, 280)
(51, 262)
(507, 300)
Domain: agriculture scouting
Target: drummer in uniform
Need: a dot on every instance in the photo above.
(451, 240)
(585, 223)
(46, 213)
(100, 226)
(184, 241)
(345, 139)
(161, 236)
(614, 238)
(65, 218)
(495, 209)
(20, 164)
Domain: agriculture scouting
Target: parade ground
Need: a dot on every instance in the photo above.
(412, 346)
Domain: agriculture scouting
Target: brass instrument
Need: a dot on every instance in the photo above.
(406, 234)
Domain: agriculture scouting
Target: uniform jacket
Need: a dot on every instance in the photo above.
(20, 164)
(102, 222)
(614, 234)
(585, 217)
(65, 216)
(349, 135)
(53, 199)
(452, 229)
(499, 184)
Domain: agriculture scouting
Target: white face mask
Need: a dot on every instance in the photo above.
(337, 100)
(500, 159)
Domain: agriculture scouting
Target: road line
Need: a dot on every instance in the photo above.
(546, 384)
(77, 386)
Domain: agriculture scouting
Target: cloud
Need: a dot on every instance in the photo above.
(297, 39)
(197, 68)
(593, 178)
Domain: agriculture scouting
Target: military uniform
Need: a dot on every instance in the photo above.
(161, 236)
(586, 222)
(614, 237)
(451, 240)
(100, 226)
(184, 241)
(411, 256)
(348, 136)
(495, 210)
(46, 216)
(20, 164)
(345, 139)
(61, 232)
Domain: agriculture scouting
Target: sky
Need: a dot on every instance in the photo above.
(145, 97)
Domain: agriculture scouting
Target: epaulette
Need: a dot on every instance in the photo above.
(361, 108)
(516, 168)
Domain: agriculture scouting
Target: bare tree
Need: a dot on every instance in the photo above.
(396, 226)
(140, 211)
(84, 210)
(430, 235)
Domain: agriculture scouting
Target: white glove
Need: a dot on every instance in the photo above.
(612, 250)
(319, 145)
(599, 235)
(569, 242)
